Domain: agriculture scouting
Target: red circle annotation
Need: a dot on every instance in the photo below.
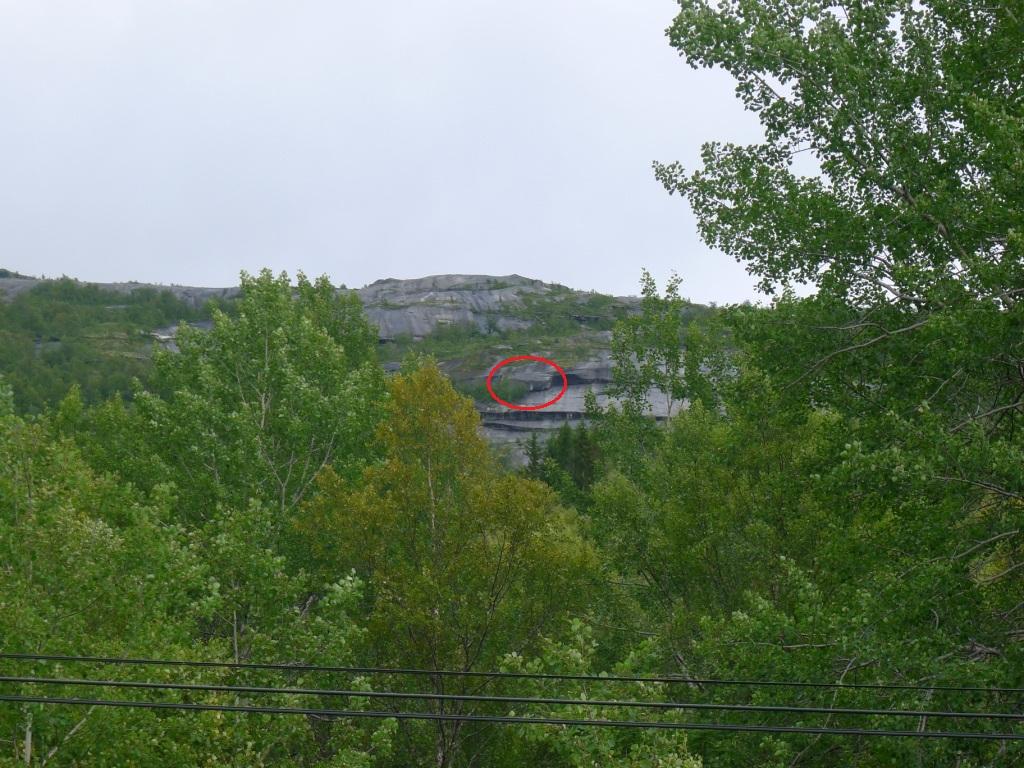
(534, 358)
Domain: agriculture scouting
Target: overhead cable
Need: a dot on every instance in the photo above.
(512, 720)
(669, 679)
(481, 698)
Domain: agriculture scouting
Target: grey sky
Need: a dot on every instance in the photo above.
(184, 140)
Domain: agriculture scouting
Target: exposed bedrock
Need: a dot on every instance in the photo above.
(416, 308)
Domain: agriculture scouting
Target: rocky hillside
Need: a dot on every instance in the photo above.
(13, 284)
(469, 323)
(417, 307)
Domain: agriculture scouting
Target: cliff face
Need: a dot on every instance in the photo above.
(417, 307)
(516, 314)
(509, 428)
(470, 323)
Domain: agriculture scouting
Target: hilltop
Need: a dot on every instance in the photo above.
(55, 332)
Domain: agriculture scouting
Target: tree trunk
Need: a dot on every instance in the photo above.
(28, 741)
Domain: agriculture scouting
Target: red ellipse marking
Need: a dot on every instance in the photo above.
(535, 358)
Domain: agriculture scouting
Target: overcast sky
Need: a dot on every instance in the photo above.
(184, 140)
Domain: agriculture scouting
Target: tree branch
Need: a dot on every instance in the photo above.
(68, 735)
(853, 347)
(987, 541)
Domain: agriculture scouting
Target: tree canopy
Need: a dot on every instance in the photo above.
(832, 499)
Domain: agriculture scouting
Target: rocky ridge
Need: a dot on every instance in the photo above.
(501, 313)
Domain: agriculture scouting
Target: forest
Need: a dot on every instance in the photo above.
(830, 535)
(63, 332)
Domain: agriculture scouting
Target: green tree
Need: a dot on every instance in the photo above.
(763, 544)
(569, 462)
(94, 566)
(647, 350)
(582, 747)
(261, 403)
(465, 563)
(534, 457)
(911, 232)
(910, 235)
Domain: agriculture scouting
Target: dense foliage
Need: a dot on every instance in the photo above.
(836, 495)
(62, 332)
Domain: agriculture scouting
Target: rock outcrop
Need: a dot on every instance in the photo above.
(510, 428)
(418, 307)
(414, 309)
(397, 307)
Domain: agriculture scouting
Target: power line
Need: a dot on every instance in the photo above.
(481, 698)
(509, 720)
(499, 675)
